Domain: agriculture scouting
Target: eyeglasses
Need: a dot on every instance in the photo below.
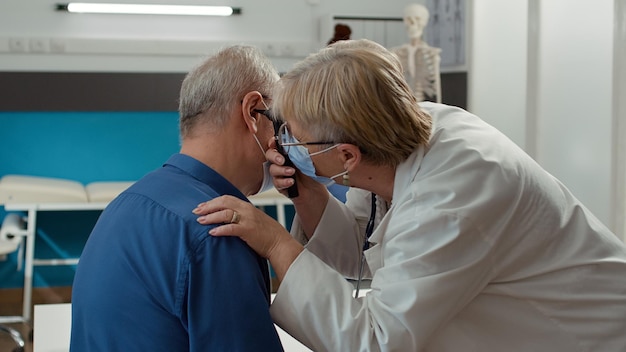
(287, 140)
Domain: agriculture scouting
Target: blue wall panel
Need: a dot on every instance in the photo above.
(87, 146)
(84, 147)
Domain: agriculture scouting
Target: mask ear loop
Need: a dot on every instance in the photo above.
(255, 126)
(323, 150)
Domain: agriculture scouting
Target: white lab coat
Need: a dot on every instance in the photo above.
(481, 250)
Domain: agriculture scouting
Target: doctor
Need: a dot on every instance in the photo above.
(475, 247)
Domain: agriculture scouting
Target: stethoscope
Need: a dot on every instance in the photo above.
(366, 244)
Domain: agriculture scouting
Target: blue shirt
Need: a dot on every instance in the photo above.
(151, 278)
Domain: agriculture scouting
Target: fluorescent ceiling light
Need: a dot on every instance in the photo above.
(146, 9)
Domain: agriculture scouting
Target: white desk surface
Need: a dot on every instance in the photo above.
(53, 322)
(52, 326)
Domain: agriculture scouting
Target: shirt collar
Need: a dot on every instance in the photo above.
(204, 174)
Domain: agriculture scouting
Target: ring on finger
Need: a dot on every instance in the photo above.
(235, 218)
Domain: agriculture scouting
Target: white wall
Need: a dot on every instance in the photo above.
(287, 29)
(497, 75)
(542, 72)
(619, 118)
(575, 106)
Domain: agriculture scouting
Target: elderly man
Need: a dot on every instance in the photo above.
(150, 277)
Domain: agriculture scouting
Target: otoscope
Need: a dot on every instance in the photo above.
(292, 191)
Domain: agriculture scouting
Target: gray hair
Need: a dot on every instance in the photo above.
(214, 88)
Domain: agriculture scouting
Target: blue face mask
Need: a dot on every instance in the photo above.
(301, 158)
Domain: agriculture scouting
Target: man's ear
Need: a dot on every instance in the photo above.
(249, 103)
(350, 155)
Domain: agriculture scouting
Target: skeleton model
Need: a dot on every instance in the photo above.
(420, 61)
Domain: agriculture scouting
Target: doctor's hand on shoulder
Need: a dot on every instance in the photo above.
(262, 233)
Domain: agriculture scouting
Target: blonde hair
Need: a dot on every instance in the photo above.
(220, 82)
(354, 92)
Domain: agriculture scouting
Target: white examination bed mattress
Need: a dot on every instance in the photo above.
(24, 189)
